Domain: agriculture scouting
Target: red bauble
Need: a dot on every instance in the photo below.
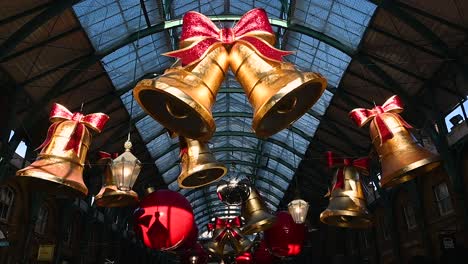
(285, 237)
(262, 254)
(164, 220)
(245, 258)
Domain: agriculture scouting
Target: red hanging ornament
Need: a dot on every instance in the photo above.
(164, 220)
(262, 254)
(285, 237)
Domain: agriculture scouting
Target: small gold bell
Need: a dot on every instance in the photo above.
(256, 215)
(347, 206)
(198, 165)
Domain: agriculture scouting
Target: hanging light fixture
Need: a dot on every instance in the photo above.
(126, 168)
(298, 208)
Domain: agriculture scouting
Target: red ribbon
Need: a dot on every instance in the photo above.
(105, 155)
(183, 151)
(60, 113)
(228, 226)
(362, 164)
(392, 106)
(200, 35)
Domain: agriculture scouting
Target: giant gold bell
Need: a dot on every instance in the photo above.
(277, 91)
(347, 206)
(257, 218)
(181, 99)
(401, 158)
(110, 195)
(198, 165)
(58, 171)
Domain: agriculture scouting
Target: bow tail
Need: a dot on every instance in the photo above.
(195, 52)
(76, 139)
(384, 132)
(264, 49)
(339, 180)
(50, 133)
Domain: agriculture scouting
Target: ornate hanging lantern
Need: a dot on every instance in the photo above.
(125, 168)
(298, 209)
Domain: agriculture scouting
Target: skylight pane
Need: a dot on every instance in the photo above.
(148, 128)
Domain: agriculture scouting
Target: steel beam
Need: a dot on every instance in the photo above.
(29, 27)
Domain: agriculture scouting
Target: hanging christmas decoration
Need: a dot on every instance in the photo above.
(401, 157)
(110, 195)
(262, 254)
(298, 209)
(233, 192)
(125, 168)
(227, 232)
(58, 168)
(164, 220)
(257, 216)
(347, 206)
(198, 165)
(285, 238)
(182, 98)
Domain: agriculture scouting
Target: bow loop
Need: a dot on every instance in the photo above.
(60, 113)
(200, 35)
(393, 105)
(228, 226)
(106, 155)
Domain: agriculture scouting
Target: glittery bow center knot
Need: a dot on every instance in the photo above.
(77, 117)
(227, 35)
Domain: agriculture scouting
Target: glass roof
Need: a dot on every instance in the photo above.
(271, 162)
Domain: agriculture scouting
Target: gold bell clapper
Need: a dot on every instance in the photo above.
(58, 168)
(401, 157)
(110, 195)
(256, 215)
(347, 206)
(181, 99)
(278, 92)
(198, 165)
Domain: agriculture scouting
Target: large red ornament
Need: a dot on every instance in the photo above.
(285, 237)
(164, 220)
(262, 254)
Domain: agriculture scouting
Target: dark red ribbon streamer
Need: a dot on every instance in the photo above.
(393, 105)
(362, 164)
(200, 35)
(105, 155)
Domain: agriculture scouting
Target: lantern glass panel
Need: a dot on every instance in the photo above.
(298, 209)
(125, 170)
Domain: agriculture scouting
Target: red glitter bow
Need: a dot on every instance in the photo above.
(60, 113)
(200, 35)
(105, 155)
(362, 164)
(392, 106)
(227, 226)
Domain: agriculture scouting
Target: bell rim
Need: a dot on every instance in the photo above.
(127, 198)
(259, 226)
(200, 168)
(205, 117)
(72, 188)
(403, 175)
(328, 214)
(263, 110)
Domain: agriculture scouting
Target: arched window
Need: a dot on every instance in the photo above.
(41, 222)
(6, 202)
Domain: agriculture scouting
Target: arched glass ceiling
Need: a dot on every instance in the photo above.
(130, 39)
